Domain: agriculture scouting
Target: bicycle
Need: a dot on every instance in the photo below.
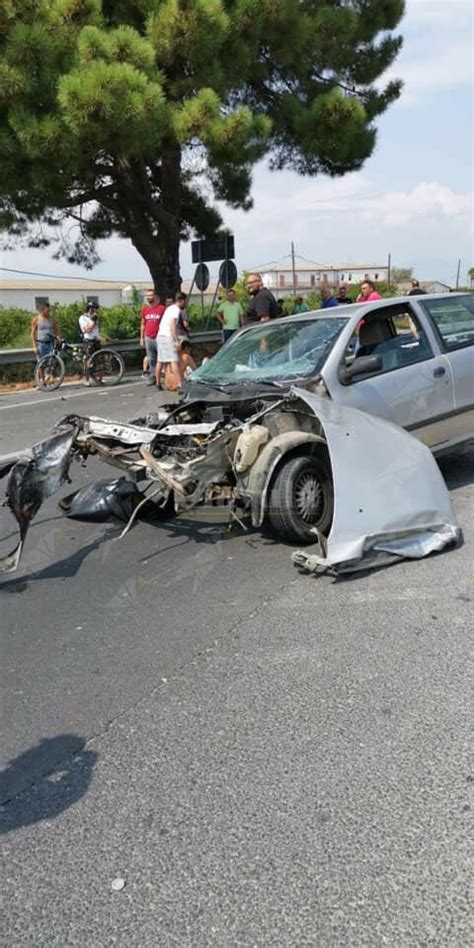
(102, 367)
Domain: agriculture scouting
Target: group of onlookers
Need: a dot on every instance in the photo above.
(164, 328)
(163, 334)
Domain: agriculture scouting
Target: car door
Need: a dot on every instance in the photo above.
(453, 319)
(414, 387)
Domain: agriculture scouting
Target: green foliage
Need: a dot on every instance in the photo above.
(401, 274)
(131, 116)
(116, 322)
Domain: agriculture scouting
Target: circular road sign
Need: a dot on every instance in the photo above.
(228, 274)
(201, 277)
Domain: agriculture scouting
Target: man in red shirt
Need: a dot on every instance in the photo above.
(150, 320)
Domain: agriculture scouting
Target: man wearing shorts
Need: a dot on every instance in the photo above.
(168, 341)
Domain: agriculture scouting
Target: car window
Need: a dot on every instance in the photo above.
(454, 320)
(397, 337)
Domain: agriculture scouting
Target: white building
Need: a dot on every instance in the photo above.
(29, 294)
(309, 276)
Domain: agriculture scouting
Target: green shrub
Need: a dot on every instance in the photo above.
(14, 326)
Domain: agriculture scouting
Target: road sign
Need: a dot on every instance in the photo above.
(228, 274)
(213, 248)
(201, 277)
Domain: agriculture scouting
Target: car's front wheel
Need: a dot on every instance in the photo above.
(301, 498)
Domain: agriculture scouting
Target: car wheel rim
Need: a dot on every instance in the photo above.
(309, 498)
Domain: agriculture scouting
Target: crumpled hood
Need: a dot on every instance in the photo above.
(390, 499)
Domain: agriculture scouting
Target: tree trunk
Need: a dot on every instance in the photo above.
(162, 259)
(154, 224)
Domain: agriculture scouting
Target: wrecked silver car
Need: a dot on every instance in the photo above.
(273, 426)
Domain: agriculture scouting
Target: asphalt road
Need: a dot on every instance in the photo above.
(263, 758)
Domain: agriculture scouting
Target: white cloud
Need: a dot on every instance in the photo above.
(437, 48)
(351, 219)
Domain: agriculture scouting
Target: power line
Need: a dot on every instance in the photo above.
(55, 276)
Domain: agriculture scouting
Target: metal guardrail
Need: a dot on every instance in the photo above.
(16, 356)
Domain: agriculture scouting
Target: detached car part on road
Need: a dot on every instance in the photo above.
(292, 423)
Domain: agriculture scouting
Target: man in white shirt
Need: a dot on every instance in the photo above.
(168, 339)
(89, 329)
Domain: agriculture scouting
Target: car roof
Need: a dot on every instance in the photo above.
(349, 309)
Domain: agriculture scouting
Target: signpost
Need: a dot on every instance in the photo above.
(201, 277)
(220, 247)
(228, 274)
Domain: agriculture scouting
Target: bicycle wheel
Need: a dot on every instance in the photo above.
(49, 372)
(105, 367)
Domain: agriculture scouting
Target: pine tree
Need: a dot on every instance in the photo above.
(132, 116)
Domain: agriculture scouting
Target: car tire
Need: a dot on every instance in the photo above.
(301, 498)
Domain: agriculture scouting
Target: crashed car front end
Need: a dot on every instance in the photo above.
(388, 493)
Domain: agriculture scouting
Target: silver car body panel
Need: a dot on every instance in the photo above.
(390, 500)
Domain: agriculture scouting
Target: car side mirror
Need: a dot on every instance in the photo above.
(364, 365)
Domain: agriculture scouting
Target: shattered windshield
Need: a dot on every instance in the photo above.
(286, 350)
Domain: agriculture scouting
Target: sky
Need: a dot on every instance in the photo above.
(414, 198)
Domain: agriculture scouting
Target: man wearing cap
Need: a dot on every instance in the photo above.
(89, 330)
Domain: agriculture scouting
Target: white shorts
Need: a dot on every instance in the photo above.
(166, 349)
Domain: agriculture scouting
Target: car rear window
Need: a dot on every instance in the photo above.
(454, 320)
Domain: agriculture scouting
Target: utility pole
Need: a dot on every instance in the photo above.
(293, 267)
(458, 273)
(389, 268)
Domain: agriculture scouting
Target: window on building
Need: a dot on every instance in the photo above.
(366, 276)
(349, 277)
(41, 301)
(342, 276)
(376, 276)
(92, 299)
(313, 280)
(282, 279)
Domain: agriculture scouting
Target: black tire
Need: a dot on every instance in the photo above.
(301, 498)
(105, 367)
(49, 372)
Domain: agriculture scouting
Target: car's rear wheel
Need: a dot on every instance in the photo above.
(301, 498)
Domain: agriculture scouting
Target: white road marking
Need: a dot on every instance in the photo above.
(59, 398)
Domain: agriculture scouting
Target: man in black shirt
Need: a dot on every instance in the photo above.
(262, 305)
(342, 296)
(416, 289)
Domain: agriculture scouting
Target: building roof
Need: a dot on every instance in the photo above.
(84, 285)
(308, 267)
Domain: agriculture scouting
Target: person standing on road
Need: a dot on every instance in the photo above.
(327, 298)
(262, 305)
(150, 320)
(368, 292)
(229, 315)
(342, 297)
(44, 330)
(89, 330)
(182, 326)
(416, 289)
(300, 306)
(168, 340)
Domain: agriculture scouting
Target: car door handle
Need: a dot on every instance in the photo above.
(439, 372)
